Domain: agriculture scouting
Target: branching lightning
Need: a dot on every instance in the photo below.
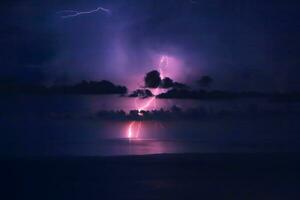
(74, 13)
(130, 131)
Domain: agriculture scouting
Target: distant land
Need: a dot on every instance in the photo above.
(84, 87)
(226, 95)
(105, 87)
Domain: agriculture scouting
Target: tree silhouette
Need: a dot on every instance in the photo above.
(141, 93)
(152, 79)
(205, 81)
(167, 83)
(180, 86)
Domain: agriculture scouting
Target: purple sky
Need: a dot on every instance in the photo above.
(245, 45)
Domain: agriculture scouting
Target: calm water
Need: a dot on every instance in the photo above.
(25, 131)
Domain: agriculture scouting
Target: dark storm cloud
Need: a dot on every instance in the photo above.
(27, 42)
(227, 39)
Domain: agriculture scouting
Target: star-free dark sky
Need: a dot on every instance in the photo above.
(244, 45)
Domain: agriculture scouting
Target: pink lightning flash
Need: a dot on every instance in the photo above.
(132, 131)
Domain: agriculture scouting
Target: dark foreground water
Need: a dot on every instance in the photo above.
(37, 137)
(167, 177)
(53, 147)
(32, 126)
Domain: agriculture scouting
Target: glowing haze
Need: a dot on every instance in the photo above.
(245, 45)
(134, 127)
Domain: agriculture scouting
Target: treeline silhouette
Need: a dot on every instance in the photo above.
(84, 87)
(141, 93)
(178, 90)
(207, 94)
(176, 113)
(225, 95)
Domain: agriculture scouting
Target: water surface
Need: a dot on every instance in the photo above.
(27, 131)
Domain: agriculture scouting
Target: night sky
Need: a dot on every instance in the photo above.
(243, 45)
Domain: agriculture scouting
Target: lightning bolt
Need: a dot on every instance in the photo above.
(130, 131)
(74, 13)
